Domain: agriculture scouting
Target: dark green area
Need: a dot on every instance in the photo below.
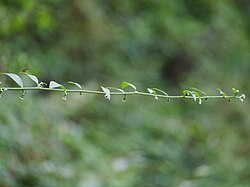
(88, 141)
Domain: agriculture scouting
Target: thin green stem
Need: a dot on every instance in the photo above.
(120, 93)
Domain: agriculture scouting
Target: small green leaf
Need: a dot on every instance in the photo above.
(120, 90)
(125, 96)
(221, 92)
(32, 77)
(152, 92)
(126, 84)
(199, 97)
(54, 84)
(193, 95)
(106, 92)
(15, 77)
(186, 92)
(76, 84)
(198, 90)
(235, 91)
(157, 89)
(114, 88)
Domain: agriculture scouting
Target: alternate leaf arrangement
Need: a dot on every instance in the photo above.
(192, 93)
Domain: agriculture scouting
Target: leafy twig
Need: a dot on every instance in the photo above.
(192, 93)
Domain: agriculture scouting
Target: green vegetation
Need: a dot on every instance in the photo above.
(86, 141)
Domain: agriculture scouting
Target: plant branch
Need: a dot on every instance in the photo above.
(120, 93)
(193, 93)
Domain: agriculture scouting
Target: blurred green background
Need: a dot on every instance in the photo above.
(88, 141)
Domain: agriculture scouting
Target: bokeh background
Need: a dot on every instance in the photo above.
(88, 141)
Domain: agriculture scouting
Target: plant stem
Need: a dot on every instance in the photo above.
(120, 93)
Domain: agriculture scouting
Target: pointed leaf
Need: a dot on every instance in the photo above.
(114, 88)
(199, 97)
(193, 95)
(32, 77)
(76, 84)
(198, 90)
(153, 92)
(125, 96)
(235, 91)
(120, 90)
(15, 78)
(106, 92)
(185, 92)
(126, 84)
(157, 89)
(221, 92)
(54, 84)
